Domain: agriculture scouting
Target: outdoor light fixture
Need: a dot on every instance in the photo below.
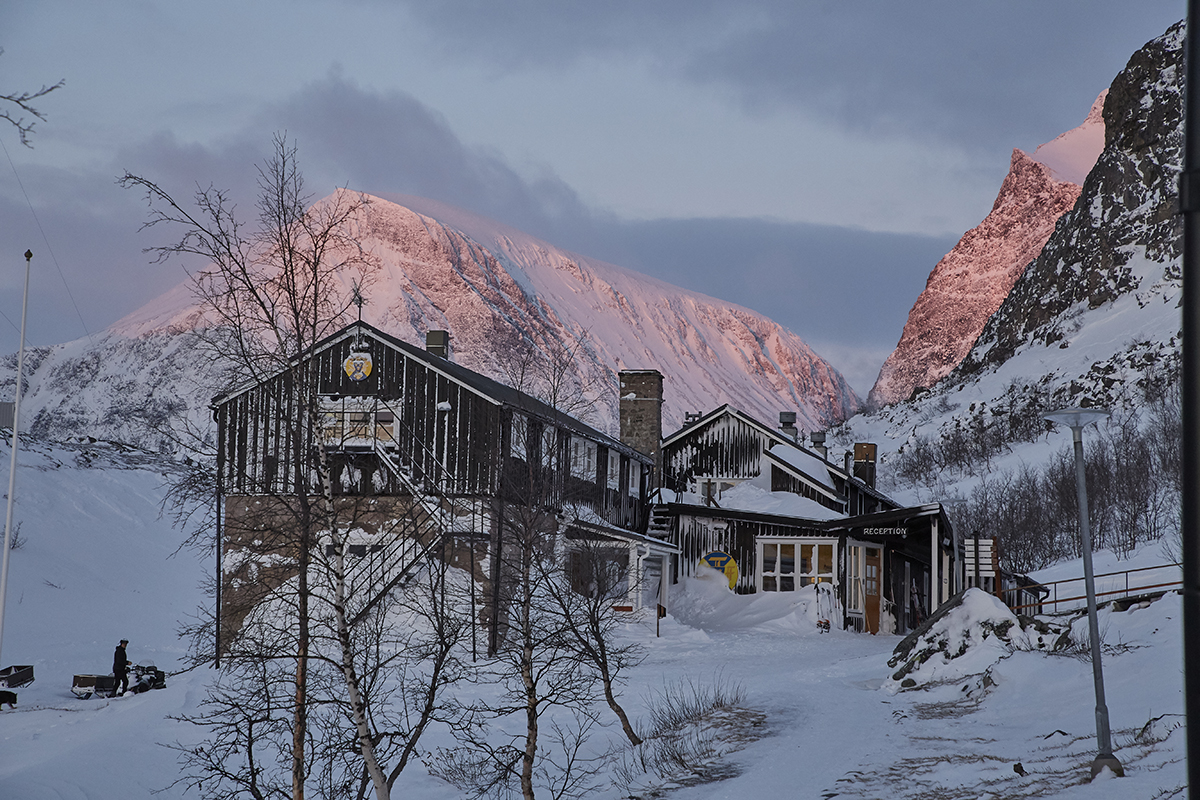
(1077, 419)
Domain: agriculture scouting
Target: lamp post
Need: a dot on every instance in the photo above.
(1077, 419)
(12, 469)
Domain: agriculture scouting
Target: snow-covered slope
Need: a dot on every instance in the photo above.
(972, 280)
(96, 566)
(496, 290)
(1071, 155)
(1094, 319)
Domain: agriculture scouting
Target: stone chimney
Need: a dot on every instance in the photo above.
(641, 414)
(438, 343)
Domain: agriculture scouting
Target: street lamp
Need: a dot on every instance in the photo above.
(12, 467)
(1077, 419)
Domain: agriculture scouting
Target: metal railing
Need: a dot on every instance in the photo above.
(1103, 588)
(430, 517)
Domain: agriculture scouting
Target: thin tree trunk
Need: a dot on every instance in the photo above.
(531, 694)
(366, 742)
(610, 697)
(300, 710)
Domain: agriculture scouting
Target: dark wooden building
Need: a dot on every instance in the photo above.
(424, 456)
(827, 523)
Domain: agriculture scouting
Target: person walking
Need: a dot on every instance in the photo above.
(121, 667)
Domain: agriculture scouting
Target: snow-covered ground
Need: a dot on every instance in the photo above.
(98, 564)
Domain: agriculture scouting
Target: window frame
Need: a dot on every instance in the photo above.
(771, 576)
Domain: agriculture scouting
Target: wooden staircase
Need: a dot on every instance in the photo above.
(660, 523)
(430, 518)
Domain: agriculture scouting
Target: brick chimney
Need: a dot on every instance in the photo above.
(641, 414)
(864, 462)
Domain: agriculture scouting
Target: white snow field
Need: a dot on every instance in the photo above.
(821, 718)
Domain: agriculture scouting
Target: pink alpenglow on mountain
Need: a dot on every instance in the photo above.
(501, 292)
(1072, 155)
(972, 280)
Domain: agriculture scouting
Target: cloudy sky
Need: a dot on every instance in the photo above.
(809, 160)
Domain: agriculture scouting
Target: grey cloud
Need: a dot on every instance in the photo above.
(391, 142)
(825, 283)
(798, 274)
(980, 75)
(88, 270)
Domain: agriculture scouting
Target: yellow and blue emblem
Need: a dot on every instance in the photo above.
(358, 366)
(722, 562)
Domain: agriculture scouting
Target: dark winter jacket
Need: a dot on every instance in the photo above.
(120, 661)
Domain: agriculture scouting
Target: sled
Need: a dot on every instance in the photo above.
(16, 677)
(84, 686)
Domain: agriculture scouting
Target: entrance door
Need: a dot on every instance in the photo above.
(871, 577)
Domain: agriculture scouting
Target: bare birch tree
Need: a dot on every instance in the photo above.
(554, 657)
(269, 293)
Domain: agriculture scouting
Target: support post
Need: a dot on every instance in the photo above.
(1189, 202)
(1077, 419)
(12, 468)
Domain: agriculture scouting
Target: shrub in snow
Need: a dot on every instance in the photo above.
(964, 639)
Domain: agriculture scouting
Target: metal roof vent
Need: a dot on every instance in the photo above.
(438, 343)
(787, 423)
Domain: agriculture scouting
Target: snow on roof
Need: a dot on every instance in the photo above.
(755, 499)
(805, 462)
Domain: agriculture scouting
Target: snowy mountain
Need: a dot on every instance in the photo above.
(972, 280)
(1094, 319)
(1107, 282)
(1071, 155)
(496, 290)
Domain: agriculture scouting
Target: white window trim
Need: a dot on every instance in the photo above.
(856, 569)
(797, 575)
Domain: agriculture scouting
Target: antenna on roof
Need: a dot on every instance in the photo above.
(356, 297)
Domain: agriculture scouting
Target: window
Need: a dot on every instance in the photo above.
(787, 565)
(549, 449)
(614, 469)
(855, 602)
(583, 458)
(519, 437)
(779, 567)
(599, 571)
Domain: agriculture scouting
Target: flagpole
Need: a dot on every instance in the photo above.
(12, 467)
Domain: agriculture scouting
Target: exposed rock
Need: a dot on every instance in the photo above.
(499, 292)
(972, 280)
(1126, 215)
(965, 638)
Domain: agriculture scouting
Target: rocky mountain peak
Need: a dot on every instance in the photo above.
(501, 293)
(1123, 235)
(971, 281)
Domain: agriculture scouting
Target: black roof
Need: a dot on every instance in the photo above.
(492, 389)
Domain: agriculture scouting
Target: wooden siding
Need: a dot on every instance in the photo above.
(725, 447)
(448, 437)
(783, 482)
(700, 535)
